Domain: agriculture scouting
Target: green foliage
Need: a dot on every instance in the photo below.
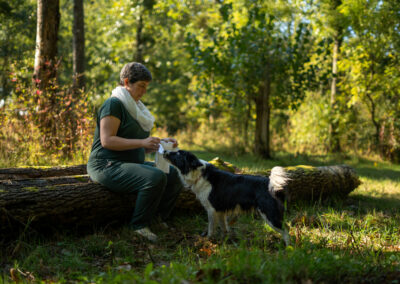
(18, 24)
(210, 62)
(51, 124)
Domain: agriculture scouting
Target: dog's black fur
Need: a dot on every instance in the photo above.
(223, 193)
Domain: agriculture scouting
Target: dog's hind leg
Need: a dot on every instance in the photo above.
(226, 223)
(272, 212)
(282, 231)
(223, 222)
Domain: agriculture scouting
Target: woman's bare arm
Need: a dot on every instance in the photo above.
(109, 139)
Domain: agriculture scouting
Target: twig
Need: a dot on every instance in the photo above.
(150, 255)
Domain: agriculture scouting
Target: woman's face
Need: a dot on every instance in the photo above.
(137, 89)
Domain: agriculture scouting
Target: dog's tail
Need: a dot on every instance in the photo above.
(278, 179)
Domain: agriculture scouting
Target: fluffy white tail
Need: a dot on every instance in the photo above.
(278, 179)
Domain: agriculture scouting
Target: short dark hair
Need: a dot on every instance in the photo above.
(134, 71)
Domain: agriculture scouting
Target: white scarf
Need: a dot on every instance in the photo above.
(136, 109)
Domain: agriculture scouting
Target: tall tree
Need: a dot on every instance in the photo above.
(48, 21)
(335, 24)
(17, 39)
(79, 45)
(371, 65)
(251, 55)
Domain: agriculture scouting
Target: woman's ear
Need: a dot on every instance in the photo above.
(126, 82)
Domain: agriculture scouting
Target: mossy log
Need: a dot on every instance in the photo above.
(40, 172)
(72, 201)
(306, 183)
(66, 196)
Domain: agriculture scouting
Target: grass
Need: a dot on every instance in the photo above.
(356, 240)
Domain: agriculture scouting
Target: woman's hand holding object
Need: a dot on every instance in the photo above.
(151, 143)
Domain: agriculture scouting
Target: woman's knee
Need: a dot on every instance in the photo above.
(157, 179)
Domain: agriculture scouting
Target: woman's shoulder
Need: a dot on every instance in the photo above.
(112, 100)
(111, 106)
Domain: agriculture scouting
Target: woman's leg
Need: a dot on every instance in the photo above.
(147, 181)
(171, 193)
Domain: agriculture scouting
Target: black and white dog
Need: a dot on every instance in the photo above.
(224, 194)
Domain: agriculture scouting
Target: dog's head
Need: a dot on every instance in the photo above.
(184, 161)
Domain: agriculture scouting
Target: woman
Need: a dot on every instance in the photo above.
(121, 140)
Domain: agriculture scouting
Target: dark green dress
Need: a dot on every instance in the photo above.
(127, 172)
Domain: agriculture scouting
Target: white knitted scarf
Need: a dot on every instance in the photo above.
(136, 109)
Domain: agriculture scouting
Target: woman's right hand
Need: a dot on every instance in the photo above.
(151, 143)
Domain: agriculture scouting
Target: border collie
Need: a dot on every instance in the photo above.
(223, 194)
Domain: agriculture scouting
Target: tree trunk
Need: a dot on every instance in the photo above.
(262, 139)
(139, 43)
(48, 20)
(40, 172)
(56, 202)
(79, 46)
(58, 199)
(334, 143)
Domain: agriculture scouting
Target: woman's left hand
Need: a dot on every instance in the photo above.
(173, 140)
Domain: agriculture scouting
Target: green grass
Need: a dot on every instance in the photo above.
(356, 240)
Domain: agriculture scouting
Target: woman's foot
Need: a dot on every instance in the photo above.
(146, 233)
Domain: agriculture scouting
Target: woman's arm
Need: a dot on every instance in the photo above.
(108, 131)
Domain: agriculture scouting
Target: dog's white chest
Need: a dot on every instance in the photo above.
(202, 189)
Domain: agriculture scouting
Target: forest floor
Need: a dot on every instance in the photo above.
(356, 240)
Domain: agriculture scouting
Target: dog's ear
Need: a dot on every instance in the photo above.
(195, 163)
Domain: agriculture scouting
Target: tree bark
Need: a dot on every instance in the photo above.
(334, 143)
(139, 40)
(48, 21)
(57, 199)
(37, 172)
(306, 183)
(79, 46)
(262, 139)
(56, 202)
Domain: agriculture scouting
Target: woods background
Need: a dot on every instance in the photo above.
(313, 76)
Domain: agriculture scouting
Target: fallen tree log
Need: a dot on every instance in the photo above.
(61, 199)
(40, 172)
(72, 201)
(306, 183)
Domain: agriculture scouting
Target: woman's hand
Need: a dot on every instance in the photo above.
(151, 144)
(173, 140)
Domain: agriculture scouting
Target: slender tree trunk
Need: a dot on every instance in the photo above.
(48, 20)
(374, 120)
(334, 143)
(139, 40)
(262, 141)
(247, 122)
(79, 45)
(4, 79)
